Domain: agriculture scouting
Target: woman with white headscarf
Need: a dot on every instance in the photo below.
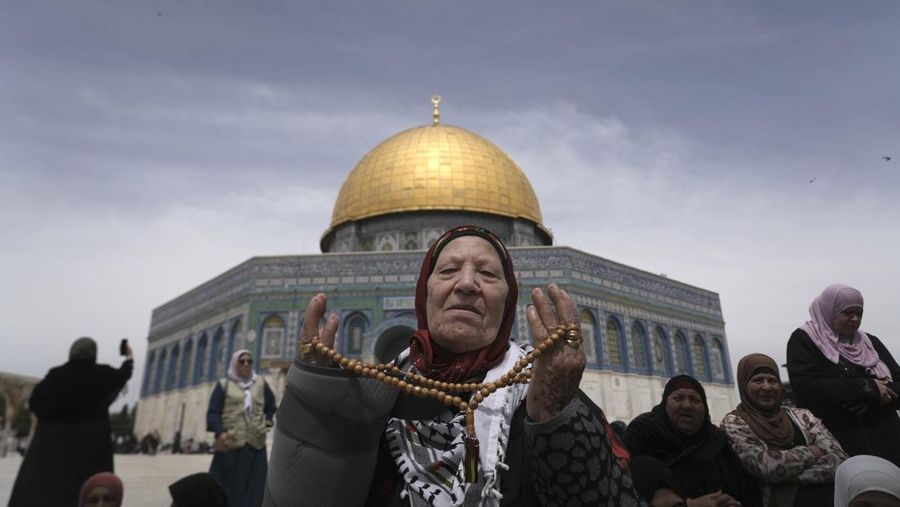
(240, 411)
(845, 376)
(864, 481)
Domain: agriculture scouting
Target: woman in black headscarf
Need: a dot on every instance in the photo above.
(679, 433)
(197, 490)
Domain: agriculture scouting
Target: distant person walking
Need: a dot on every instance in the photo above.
(72, 440)
(240, 411)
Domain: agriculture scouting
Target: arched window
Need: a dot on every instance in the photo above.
(187, 363)
(587, 332)
(173, 367)
(148, 371)
(660, 351)
(429, 236)
(682, 354)
(411, 241)
(613, 341)
(639, 345)
(273, 336)
(353, 335)
(717, 359)
(200, 359)
(233, 337)
(700, 368)
(217, 358)
(160, 370)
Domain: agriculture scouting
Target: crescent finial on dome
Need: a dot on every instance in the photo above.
(436, 100)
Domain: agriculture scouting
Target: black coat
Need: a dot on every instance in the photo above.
(846, 398)
(72, 439)
(703, 463)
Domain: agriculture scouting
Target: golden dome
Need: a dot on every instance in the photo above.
(436, 167)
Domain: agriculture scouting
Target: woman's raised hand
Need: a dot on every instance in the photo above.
(557, 372)
(312, 330)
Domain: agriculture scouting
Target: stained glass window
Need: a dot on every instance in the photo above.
(717, 359)
(682, 354)
(273, 337)
(660, 351)
(700, 368)
(639, 345)
(356, 328)
(200, 359)
(613, 341)
(587, 332)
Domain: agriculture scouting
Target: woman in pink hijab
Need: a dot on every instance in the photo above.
(846, 376)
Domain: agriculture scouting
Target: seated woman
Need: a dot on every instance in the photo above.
(845, 376)
(679, 433)
(454, 420)
(867, 481)
(789, 451)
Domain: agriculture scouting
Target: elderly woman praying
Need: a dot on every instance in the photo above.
(463, 416)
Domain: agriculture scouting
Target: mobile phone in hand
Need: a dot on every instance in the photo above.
(123, 347)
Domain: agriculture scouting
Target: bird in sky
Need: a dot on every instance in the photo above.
(887, 158)
(812, 180)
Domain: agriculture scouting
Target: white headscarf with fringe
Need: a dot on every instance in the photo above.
(244, 383)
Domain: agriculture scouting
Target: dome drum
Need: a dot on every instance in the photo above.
(416, 231)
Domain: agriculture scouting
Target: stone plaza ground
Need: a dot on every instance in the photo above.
(146, 478)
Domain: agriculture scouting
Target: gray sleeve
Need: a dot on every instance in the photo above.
(326, 440)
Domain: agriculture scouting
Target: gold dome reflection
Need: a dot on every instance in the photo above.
(436, 167)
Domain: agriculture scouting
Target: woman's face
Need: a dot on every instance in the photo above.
(686, 410)
(466, 294)
(764, 391)
(101, 496)
(847, 322)
(875, 499)
(245, 366)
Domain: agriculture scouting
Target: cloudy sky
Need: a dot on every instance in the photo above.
(146, 147)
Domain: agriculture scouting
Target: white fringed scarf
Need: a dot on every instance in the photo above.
(429, 454)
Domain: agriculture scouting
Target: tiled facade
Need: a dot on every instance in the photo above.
(640, 328)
